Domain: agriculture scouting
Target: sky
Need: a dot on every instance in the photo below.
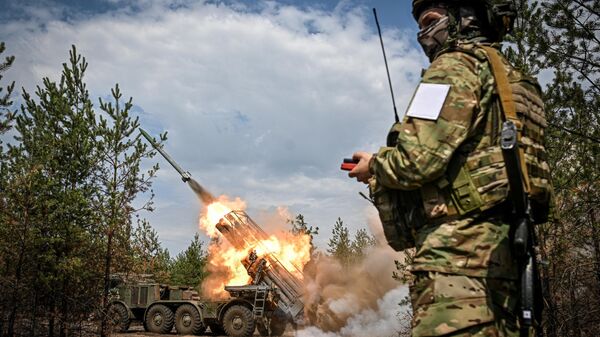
(261, 99)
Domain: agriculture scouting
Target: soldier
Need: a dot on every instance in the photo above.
(440, 185)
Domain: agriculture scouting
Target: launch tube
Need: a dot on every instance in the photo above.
(243, 233)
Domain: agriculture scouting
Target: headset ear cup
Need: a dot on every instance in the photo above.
(501, 16)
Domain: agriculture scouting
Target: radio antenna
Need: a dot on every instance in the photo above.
(386, 66)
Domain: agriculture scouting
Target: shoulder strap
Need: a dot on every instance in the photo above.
(506, 100)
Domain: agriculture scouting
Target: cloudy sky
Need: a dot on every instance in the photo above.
(261, 99)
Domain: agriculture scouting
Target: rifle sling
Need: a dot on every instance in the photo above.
(508, 105)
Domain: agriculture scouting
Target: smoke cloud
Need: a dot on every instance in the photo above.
(359, 300)
(386, 320)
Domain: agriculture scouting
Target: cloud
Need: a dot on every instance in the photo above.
(261, 103)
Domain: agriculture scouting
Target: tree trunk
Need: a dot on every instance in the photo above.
(575, 326)
(107, 260)
(64, 307)
(549, 324)
(51, 322)
(596, 243)
(14, 305)
(35, 304)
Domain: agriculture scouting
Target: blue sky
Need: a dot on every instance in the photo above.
(392, 12)
(261, 99)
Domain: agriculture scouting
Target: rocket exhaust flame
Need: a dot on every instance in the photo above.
(202, 193)
(205, 196)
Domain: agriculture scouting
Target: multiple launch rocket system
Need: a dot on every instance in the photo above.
(266, 271)
(243, 233)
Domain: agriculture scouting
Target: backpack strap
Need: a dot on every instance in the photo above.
(509, 111)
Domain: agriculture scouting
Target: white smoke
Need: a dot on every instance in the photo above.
(362, 299)
(384, 321)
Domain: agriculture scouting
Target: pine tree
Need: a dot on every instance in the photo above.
(361, 243)
(68, 183)
(6, 117)
(301, 227)
(149, 257)
(49, 189)
(188, 268)
(121, 180)
(340, 246)
(347, 250)
(6, 114)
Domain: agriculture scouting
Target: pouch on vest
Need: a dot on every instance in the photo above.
(400, 213)
(463, 193)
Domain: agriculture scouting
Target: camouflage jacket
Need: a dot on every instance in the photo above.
(424, 147)
(465, 245)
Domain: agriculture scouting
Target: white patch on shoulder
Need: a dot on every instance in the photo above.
(428, 100)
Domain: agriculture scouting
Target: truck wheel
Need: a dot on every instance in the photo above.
(238, 321)
(188, 321)
(278, 323)
(118, 317)
(159, 319)
(277, 328)
(262, 329)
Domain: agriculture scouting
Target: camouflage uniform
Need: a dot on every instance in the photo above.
(465, 275)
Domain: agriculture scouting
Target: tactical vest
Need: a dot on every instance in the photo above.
(476, 178)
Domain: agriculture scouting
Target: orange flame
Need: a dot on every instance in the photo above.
(217, 210)
(224, 260)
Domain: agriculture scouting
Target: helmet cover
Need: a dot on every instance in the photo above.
(498, 15)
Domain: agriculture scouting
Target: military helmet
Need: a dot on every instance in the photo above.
(499, 15)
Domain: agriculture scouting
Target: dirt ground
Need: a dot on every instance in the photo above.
(137, 330)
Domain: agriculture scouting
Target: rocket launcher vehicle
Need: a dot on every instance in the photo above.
(243, 233)
(267, 272)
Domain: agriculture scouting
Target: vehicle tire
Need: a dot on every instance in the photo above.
(278, 323)
(118, 317)
(277, 328)
(188, 320)
(238, 321)
(159, 319)
(262, 329)
(216, 329)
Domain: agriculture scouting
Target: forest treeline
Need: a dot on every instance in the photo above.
(73, 189)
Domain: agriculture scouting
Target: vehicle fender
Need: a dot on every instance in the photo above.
(129, 312)
(198, 306)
